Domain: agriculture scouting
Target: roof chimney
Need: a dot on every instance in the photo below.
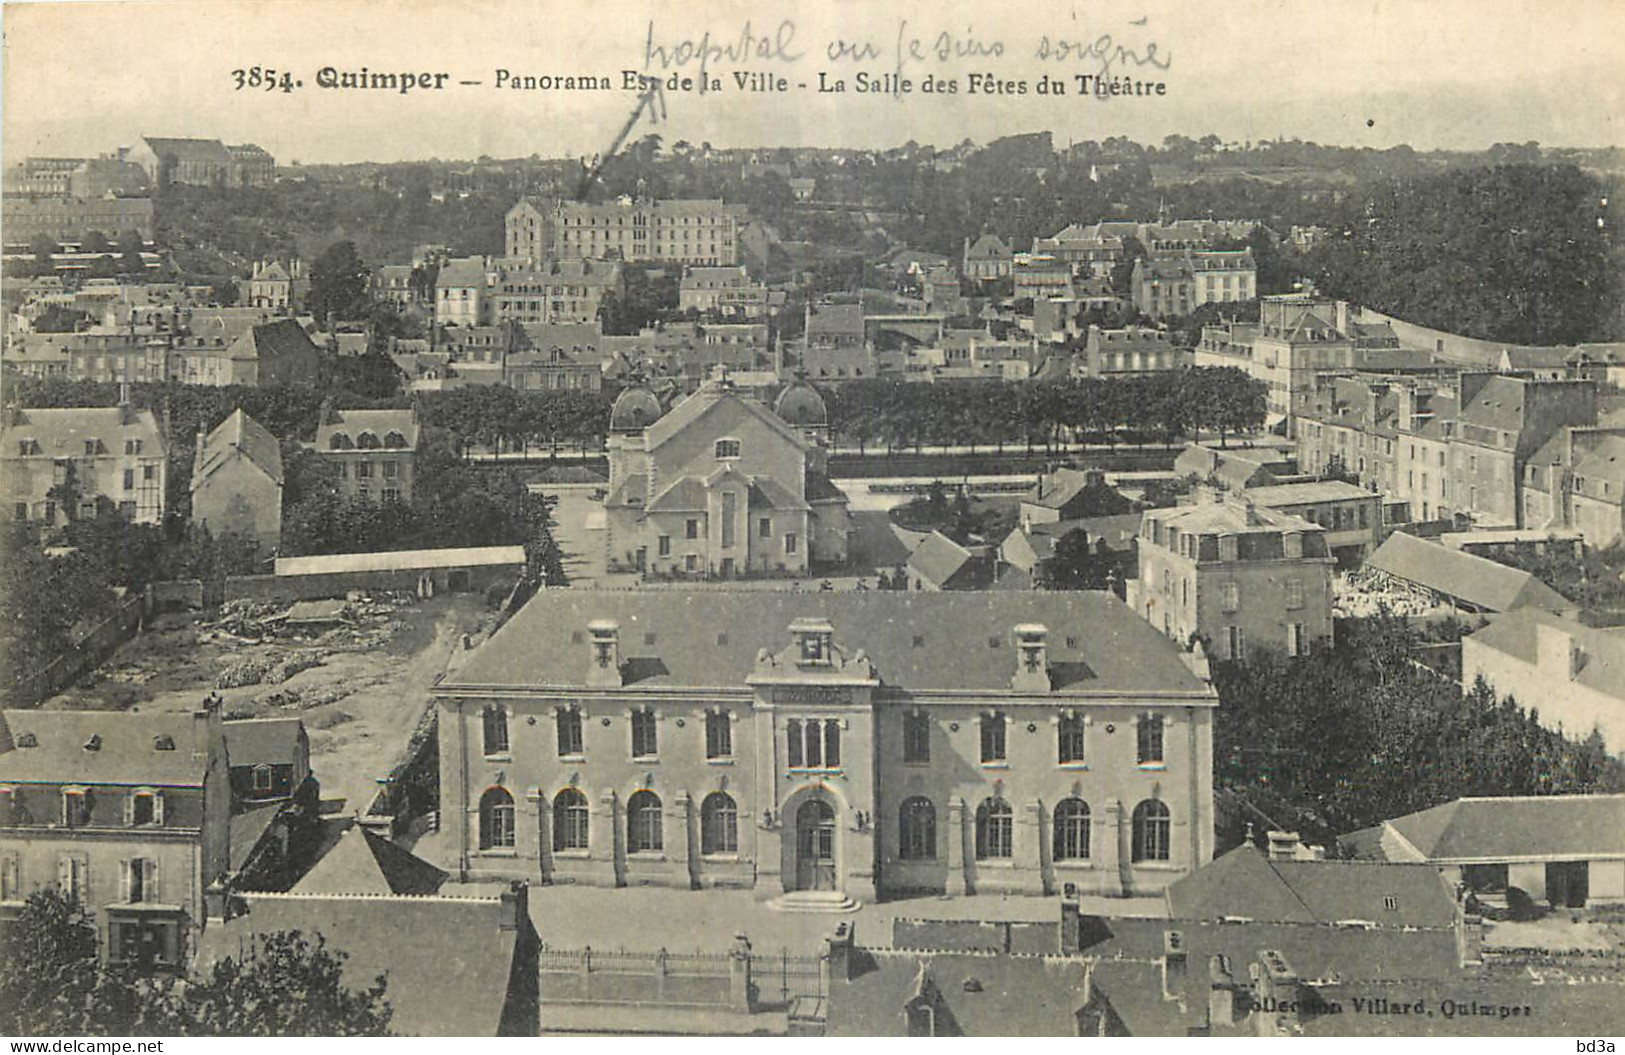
(1032, 658)
(1173, 964)
(604, 667)
(1284, 846)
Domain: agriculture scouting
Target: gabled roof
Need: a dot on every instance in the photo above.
(364, 863)
(768, 493)
(989, 246)
(61, 432)
(938, 558)
(1055, 489)
(972, 994)
(378, 422)
(126, 751)
(670, 637)
(686, 495)
(1244, 882)
(702, 402)
(266, 340)
(1601, 651)
(263, 741)
(463, 271)
(1498, 405)
(242, 435)
(1524, 827)
(1478, 581)
(448, 961)
(188, 149)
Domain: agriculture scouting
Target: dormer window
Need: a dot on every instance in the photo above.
(727, 448)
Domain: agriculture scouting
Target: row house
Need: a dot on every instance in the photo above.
(404, 287)
(1093, 256)
(1131, 350)
(83, 455)
(1352, 516)
(555, 357)
(371, 451)
(1236, 576)
(1167, 285)
(828, 749)
(129, 815)
(562, 292)
(1040, 276)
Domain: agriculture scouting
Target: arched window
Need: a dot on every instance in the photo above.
(994, 829)
(832, 743)
(643, 823)
(917, 830)
(569, 820)
(1151, 834)
(262, 778)
(392, 438)
(496, 819)
(367, 441)
(727, 448)
(495, 723)
(339, 441)
(719, 824)
(1072, 830)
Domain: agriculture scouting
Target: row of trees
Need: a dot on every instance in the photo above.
(1350, 736)
(1165, 406)
(52, 983)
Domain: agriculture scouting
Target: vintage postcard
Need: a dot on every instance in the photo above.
(959, 519)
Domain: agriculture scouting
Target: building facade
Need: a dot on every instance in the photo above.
(564, 291)
(371, 450)
(829, 748)
(129, 815)
(83, 455)
(699, 232)
(237, 481)
(727, 291)
(722, 487)
(1236, 577)
(68, 220)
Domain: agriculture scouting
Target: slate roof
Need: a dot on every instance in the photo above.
(1516, 634)
(1055, 489)
(938, 558)
(1096, 643)
(631, 492)
(271, 339)
(126, 754)
(378, 422)
(189, 149)
(988, 247)
(61, 432)
(1277, 495)
(821, 488)
(1575, 827)
(1245, 882)
(364, 863)
(448, 961)
(1478, 581)
(835, 318)
(248, 828)
(1498, 405)
(686, 495)
(1605, 460)
(703, 401)
(263, 741)
(1011, 996)
(768, 493)
(245, 436)
(462, 271)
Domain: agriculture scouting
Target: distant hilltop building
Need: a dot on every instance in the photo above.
(700, 232)
(203, 162)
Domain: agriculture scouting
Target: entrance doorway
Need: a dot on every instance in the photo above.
(815, 846)
(1567, 884)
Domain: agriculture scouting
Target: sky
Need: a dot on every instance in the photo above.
(83, 78)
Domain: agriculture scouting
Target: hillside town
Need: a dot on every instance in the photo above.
(1030, 588)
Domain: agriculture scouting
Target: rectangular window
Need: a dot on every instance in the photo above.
(789, 543)
(1231, 597)
(1069, 738)
(719, 739)
(993, 737)
(1294, 593)
(730, 507)
(764, 527)
(1297, 640)
(75, 807)
(363, 470)
(663, 546)
(692, 529)
(1238, 642)
(129, 479)
(691, 563)
(73, 877)
(390, 469)
(792, 743)
(11, 880)
(1149, 739)
(916, 737)
(644, 743)
(139, 881)
(495, 721)
(569, 729)
(20, 511)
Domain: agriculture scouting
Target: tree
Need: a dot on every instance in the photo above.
(286, 985)
(130, 247)
(44, 248)
(338, 283)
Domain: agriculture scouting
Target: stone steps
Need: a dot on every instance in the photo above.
(828, 901)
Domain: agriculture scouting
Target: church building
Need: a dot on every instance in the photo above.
(823, 749)
(720, 486)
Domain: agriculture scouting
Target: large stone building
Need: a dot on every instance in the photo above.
(85, 455)
(827, 748)
(563, 291)
(1179, 283)
(1573, 674)
(835, 343)
(270, 353)
(721, 486)
(372, 450)
(701, 232)
(237, 481)
(277, 288)
(1577, 481)
(69, 220)
(127, 814)
(203, 162)
(724, 291)
(1235, 576)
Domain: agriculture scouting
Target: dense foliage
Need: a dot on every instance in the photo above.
(1591, 580)
(1517, 253)
(285, 985)
(1353, 735)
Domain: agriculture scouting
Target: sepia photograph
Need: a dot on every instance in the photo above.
(616, 519)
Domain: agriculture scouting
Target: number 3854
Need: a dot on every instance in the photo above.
(263, 78)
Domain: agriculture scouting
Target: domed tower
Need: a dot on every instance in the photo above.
(802, 408)
(635, 409)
